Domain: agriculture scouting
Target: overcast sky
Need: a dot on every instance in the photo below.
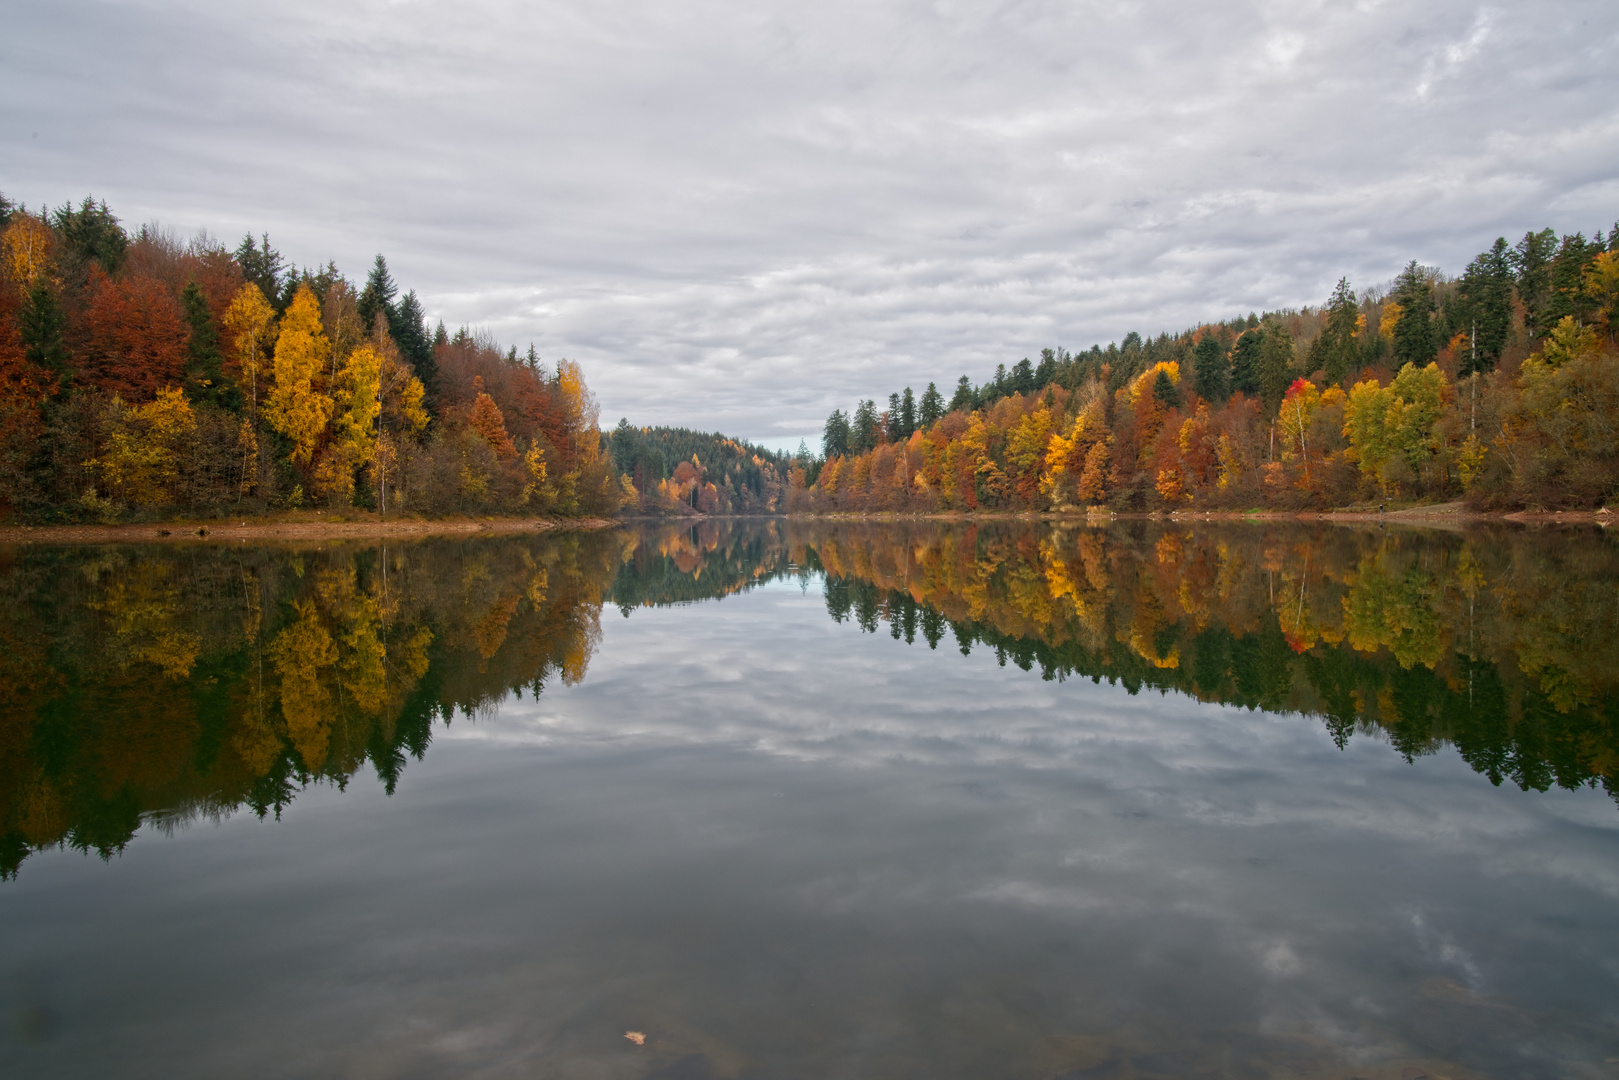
(739, 216)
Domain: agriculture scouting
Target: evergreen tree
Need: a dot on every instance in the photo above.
(907, 414)
(378, 296)
(1245, 363)
(1211, 369)
(835, 436)
(1048, 369)
(932, 407)
(963, 398)
(1022, 379)
(863, 428)
(1415, 337)
(262, 266)
(1275, 365)
(1531, 266)
(205, 376)
(90, 233)
(1335, 349)
(1486, 304)
(1165, 392)
(407, 325)
(40, 323)
(893, 424)
(1568, 295)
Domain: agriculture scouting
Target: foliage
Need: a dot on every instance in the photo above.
(298, 387)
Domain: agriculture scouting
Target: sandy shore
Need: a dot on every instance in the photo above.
(293, 527)
(1438, 515)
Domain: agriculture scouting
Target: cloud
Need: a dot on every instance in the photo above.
(741, 217)
(1448, 61)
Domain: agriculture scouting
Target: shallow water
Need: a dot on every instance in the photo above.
(815, 800)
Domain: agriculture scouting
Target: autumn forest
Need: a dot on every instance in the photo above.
(142, 377)
(1500, 387)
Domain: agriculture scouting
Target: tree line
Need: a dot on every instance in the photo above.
(670, 471)
(1500, 386)
(145, 376)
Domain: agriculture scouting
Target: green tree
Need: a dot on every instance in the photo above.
(932, 407)
(1335, 349)
(41, 322)
(1165, 392)
(1211, 369)
(407, 325)
(205, 376)
(907, 414)
(261, 264)
(1568, 294)
(835, 436)
(1415, 337)
(378, 296)
(89, 234)
(893, 422)
(1485, 290)
(863, 427)
(1531, 267)
(962, 399)
(1245, 362)
(1275, 365)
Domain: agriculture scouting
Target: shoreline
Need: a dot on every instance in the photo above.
(1442, 514)
(311, 526)
(297, 527)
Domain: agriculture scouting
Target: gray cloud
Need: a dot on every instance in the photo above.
(739, 217)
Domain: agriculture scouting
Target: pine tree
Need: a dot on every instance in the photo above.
(863, 427)
(205, 376)
(40, 323)
(1531, 266)
(88, 234)
(1335, 349)
(1486, 295)
(835, 436)
(1211, 369)
(1275, 365)
(407, 325)
(262, 266)
(907, 414)
(963, 399)
(1245, 363)
(378, 296)
(1165, 392)
(1415, 340)
(892, 423)
(932, 407)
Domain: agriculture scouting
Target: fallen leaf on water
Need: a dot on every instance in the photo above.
(636, 1037)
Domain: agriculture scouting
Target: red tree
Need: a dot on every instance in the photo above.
(136, 336)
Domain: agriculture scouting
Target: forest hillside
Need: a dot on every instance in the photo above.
(143, 376)
(1500, 386)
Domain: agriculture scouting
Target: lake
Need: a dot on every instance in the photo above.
(815, 799)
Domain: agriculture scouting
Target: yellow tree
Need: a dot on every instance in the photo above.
(357, 399)
(297, 405)
(26, 249)
(141, 462)
(250, 328)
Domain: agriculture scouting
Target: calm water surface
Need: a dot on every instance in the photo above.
(832, 800)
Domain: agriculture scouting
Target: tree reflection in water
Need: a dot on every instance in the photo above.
(157, 684)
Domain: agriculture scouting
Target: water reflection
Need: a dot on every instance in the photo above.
(778, 840)
(158, 684)
(161, 684)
